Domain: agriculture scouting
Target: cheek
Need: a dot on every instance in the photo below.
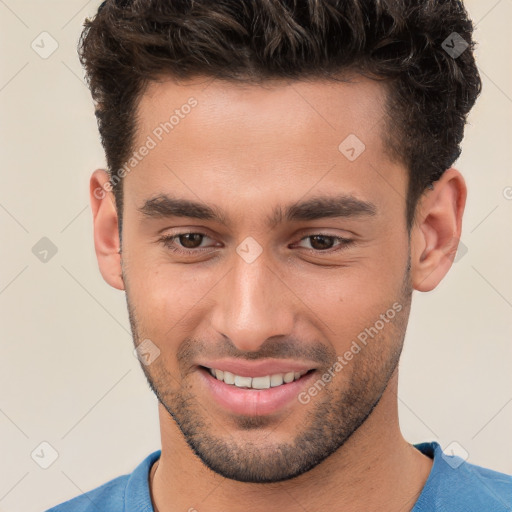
(351, 299)
(174, 299)
(168, 297)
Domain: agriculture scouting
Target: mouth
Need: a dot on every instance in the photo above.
(253, 396)
(262, 382)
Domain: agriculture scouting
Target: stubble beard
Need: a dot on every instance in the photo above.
(331, 419)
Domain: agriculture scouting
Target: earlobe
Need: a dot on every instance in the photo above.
(436, 232)
(106, 233)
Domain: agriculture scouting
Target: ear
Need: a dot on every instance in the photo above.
(106, 232)
(436, 230)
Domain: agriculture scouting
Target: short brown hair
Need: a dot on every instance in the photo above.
(403, 42)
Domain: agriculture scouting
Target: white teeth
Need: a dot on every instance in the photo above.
(288, 377)
(229, 378)
(261, 382)
(266, 382)
(243, 382)
(276, 380)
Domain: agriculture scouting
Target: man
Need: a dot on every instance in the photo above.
(279, 181)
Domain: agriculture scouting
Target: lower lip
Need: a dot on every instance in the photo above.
(254, 402)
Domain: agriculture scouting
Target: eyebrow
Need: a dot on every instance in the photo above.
(321, 207)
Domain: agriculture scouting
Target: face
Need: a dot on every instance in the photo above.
(261, 238)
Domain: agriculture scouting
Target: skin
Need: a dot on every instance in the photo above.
(246, 150)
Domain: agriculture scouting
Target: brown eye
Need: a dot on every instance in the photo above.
(190, 240)
(321, 242)
(187, 244)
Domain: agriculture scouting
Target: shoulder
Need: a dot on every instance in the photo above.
(485, 486)
(128, 493)
(457, 485)
(109, 496)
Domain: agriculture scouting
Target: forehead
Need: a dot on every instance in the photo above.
(242, 109)
(216, 139)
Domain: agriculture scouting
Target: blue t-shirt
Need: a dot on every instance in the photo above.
(453, 485)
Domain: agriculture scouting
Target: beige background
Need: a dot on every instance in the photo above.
(67, 372)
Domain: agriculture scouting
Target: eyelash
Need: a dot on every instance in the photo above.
(168, 242)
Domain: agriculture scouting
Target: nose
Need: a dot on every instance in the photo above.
(254, 304)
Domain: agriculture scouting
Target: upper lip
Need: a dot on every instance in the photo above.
(259, 368)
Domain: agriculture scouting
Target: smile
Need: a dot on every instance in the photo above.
(265, 382)
(254, 396)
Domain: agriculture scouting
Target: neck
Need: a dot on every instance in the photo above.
(376, 469)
